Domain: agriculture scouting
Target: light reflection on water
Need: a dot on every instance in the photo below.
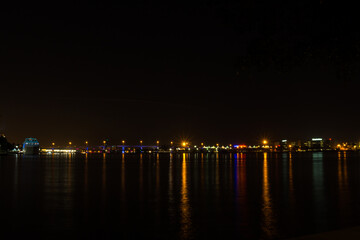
(268, 222)
(184, 204)
(141, 176)
(343, 185)
(103, 189)
(180, 196)
(320, 203)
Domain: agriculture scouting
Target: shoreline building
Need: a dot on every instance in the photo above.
(317, 144)
(31, 146)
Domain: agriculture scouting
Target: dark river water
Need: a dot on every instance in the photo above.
(179, 196)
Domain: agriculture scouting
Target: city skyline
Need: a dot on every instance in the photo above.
(225, 72)
(181, 142)
(211, 119)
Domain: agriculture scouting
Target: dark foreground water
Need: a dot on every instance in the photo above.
(180, 196)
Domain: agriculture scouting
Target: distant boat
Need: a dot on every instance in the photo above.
(31, 146)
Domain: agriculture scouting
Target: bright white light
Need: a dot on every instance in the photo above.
(317, 139)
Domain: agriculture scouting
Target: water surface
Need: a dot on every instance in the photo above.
(178, 196)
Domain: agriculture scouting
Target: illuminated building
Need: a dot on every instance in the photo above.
(31, 146)
(317, 144)
(284, 144)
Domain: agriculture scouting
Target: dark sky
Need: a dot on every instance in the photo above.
(211, 71)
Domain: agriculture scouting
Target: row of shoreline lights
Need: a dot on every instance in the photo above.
(184, 144)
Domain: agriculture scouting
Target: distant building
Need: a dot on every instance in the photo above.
(317, 144)
(31, 146)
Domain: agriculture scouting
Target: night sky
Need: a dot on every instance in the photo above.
(208, 71)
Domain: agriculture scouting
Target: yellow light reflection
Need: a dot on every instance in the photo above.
(202, 170)
(86, 173)
(157, 175)
(345, 170)
(141, 177)
(104, 173)
(184, 203)
(291, 178)
(342, 172)
(268, 221)
(103, 187)
(217, 175)
(86, 197)
(344, 196)
(123, 176)
(340, 175)
(171, 187)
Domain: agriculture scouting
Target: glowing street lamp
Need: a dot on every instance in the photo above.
(157, 144)
(184, 144)
(104, 142)
(123, 147)
(265, 142)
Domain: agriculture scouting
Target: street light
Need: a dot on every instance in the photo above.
(265, 142)
(123, 148)
(104, 142)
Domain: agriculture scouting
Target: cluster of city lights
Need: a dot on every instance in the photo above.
(263, 145)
